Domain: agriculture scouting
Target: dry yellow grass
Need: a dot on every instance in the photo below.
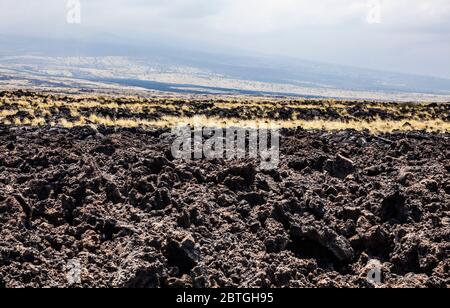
(376, 126)
(381, 126)
(138, 106)
(373, 126)
(38, 122)
(66, 124)
(38, 111)
(6, 113)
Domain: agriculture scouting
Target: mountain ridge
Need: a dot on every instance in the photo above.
(103, 62)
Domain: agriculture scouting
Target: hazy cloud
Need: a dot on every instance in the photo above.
(413, 36)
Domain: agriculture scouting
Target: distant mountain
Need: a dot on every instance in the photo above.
(175, 69)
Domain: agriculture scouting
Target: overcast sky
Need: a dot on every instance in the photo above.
(406, 35)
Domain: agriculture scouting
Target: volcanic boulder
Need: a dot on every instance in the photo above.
(325, 237)
(112, 193)
(184, 255)
(394, 207)
(340, 167)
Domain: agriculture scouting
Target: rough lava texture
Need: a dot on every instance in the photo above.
(116, 203)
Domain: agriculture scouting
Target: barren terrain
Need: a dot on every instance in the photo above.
(361, 185)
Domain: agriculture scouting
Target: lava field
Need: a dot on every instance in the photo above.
(114, 203)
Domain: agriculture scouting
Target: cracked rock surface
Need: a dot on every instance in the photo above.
(339, 205)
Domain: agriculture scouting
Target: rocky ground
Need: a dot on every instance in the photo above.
(118, 206)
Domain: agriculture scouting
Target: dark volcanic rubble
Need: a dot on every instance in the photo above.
(116, 202)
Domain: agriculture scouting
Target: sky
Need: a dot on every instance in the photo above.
(411, 36)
